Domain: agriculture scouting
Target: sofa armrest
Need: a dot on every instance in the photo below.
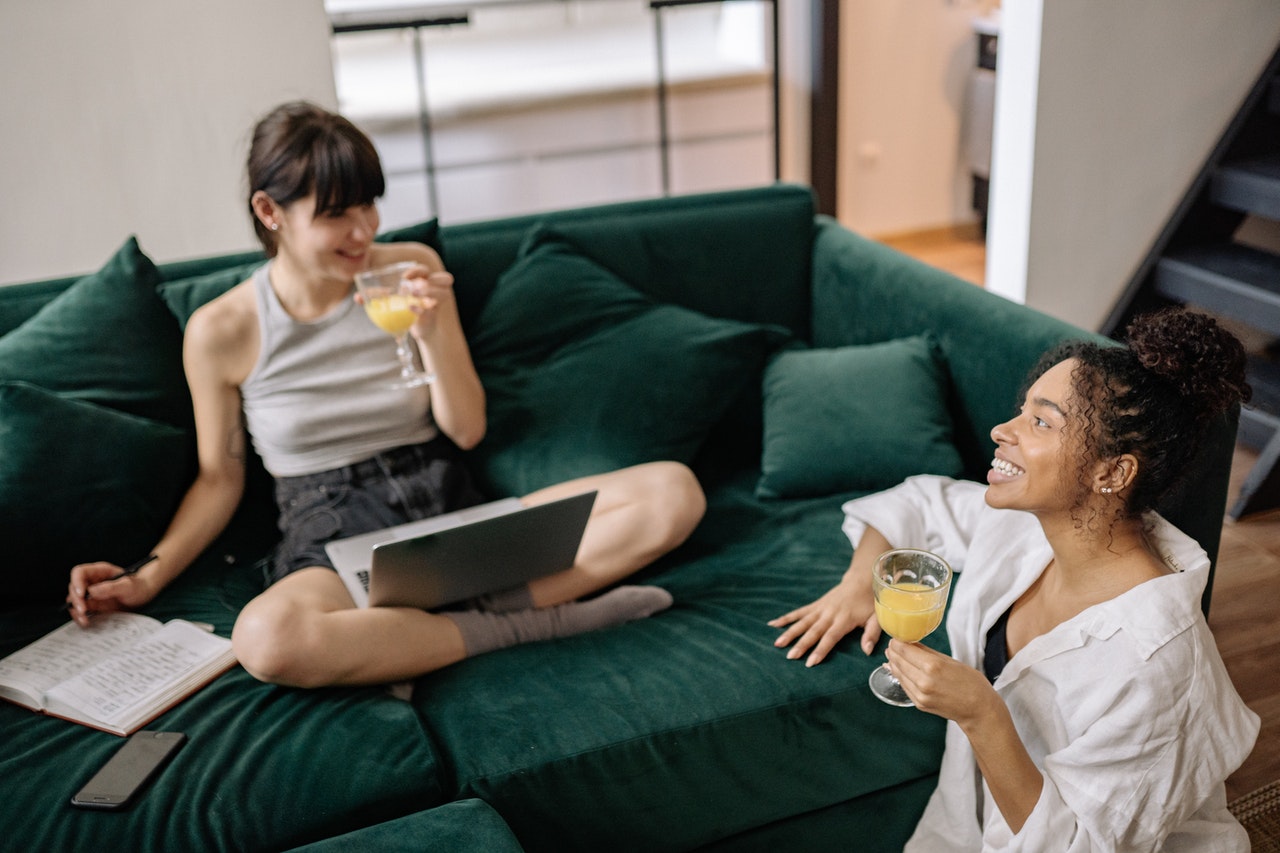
(865, 292)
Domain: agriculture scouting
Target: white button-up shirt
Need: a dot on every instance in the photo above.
(1126, 708)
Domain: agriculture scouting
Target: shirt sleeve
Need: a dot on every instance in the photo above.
(932, 513)
(1158, 751)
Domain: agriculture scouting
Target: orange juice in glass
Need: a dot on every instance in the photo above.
(389, 301)
(910, 588)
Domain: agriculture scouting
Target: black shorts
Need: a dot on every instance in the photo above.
(394, 487)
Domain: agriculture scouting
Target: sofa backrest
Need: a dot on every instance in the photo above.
(865, 292)
(739, 254)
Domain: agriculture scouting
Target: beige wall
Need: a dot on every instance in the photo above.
(133, 118)
(905, 67)
(1101, 129)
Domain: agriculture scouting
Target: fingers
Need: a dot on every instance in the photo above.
(810, 631)
(870, 634)
(439, 279)
(87, 580)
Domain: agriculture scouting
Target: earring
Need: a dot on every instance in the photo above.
(275, 226)
(1106, 490)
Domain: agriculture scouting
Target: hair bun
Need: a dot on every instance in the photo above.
(1201, 359)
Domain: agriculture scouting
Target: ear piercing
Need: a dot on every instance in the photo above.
(275, 226)
(1106, 490)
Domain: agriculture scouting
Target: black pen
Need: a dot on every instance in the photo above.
(133, 568)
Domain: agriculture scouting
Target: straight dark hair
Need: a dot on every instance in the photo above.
(299, 148)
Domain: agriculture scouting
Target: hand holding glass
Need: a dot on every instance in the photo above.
(910, 588)
(389, 301)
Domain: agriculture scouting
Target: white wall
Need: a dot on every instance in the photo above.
(134, 117)
(795, 34)
(904, 75)
(1090, 162)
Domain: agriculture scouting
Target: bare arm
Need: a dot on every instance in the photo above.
(943, 686)
(849, 605)
(212, 497)
(457, 397)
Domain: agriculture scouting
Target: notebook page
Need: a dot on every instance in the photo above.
(113, 689)
(62, 653)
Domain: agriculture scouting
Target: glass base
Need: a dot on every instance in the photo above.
(887, 689)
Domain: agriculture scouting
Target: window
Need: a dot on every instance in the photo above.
(494, 108)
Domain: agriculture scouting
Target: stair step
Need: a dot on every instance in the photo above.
(1237, 281)
(1256, 428)
(1264, 378)
(1261, 487)
(1249, 186)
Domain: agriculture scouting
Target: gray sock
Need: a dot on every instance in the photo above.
(503, 601)
(485, 632)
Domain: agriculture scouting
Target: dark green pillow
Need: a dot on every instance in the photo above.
(857, 418)
(585, 374)
(107, 339)
(79, 482)
(185, 295)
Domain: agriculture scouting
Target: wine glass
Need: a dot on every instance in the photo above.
(910, 588)
(389, 302)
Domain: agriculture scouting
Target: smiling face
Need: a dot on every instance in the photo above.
(329, 246)
(1037, 465)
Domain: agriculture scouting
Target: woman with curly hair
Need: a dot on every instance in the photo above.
(1088, 707)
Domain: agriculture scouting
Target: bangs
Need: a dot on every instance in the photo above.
(346, 172)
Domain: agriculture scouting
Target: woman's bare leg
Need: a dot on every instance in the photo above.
(304, 631)
(640, 513)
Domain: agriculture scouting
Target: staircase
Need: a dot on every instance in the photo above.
(1204, 258)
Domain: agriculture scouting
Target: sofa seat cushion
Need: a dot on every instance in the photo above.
(670, 732)
(107, 339)
(79, 483)
(585, 374)
(266, 768)
(461, 826)
(857, 417)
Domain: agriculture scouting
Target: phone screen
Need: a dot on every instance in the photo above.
(124, 774)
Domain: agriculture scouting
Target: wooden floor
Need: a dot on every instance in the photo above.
(1245, 611)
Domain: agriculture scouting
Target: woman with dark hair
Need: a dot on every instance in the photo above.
(1088, 707)
(289, 357)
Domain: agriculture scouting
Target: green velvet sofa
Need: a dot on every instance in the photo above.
(790, 362)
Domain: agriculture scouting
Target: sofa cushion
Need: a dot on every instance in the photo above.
(670, 732)
(106, 339)
(79, 482)
(585, 374)
(462, 825)
(742, 254)
(185, 293)
(856, 417)
(183, 296)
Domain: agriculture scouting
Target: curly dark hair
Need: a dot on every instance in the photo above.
(1155, 398)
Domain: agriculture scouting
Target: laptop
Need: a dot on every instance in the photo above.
(448, 558)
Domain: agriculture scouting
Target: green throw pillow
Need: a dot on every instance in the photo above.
(856, 418)
(585, 374)
(185, 295)
(107, 339)
(79, 482)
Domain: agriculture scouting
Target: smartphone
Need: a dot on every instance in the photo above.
(118, 781)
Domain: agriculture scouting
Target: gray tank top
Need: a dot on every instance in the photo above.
(321, 394)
